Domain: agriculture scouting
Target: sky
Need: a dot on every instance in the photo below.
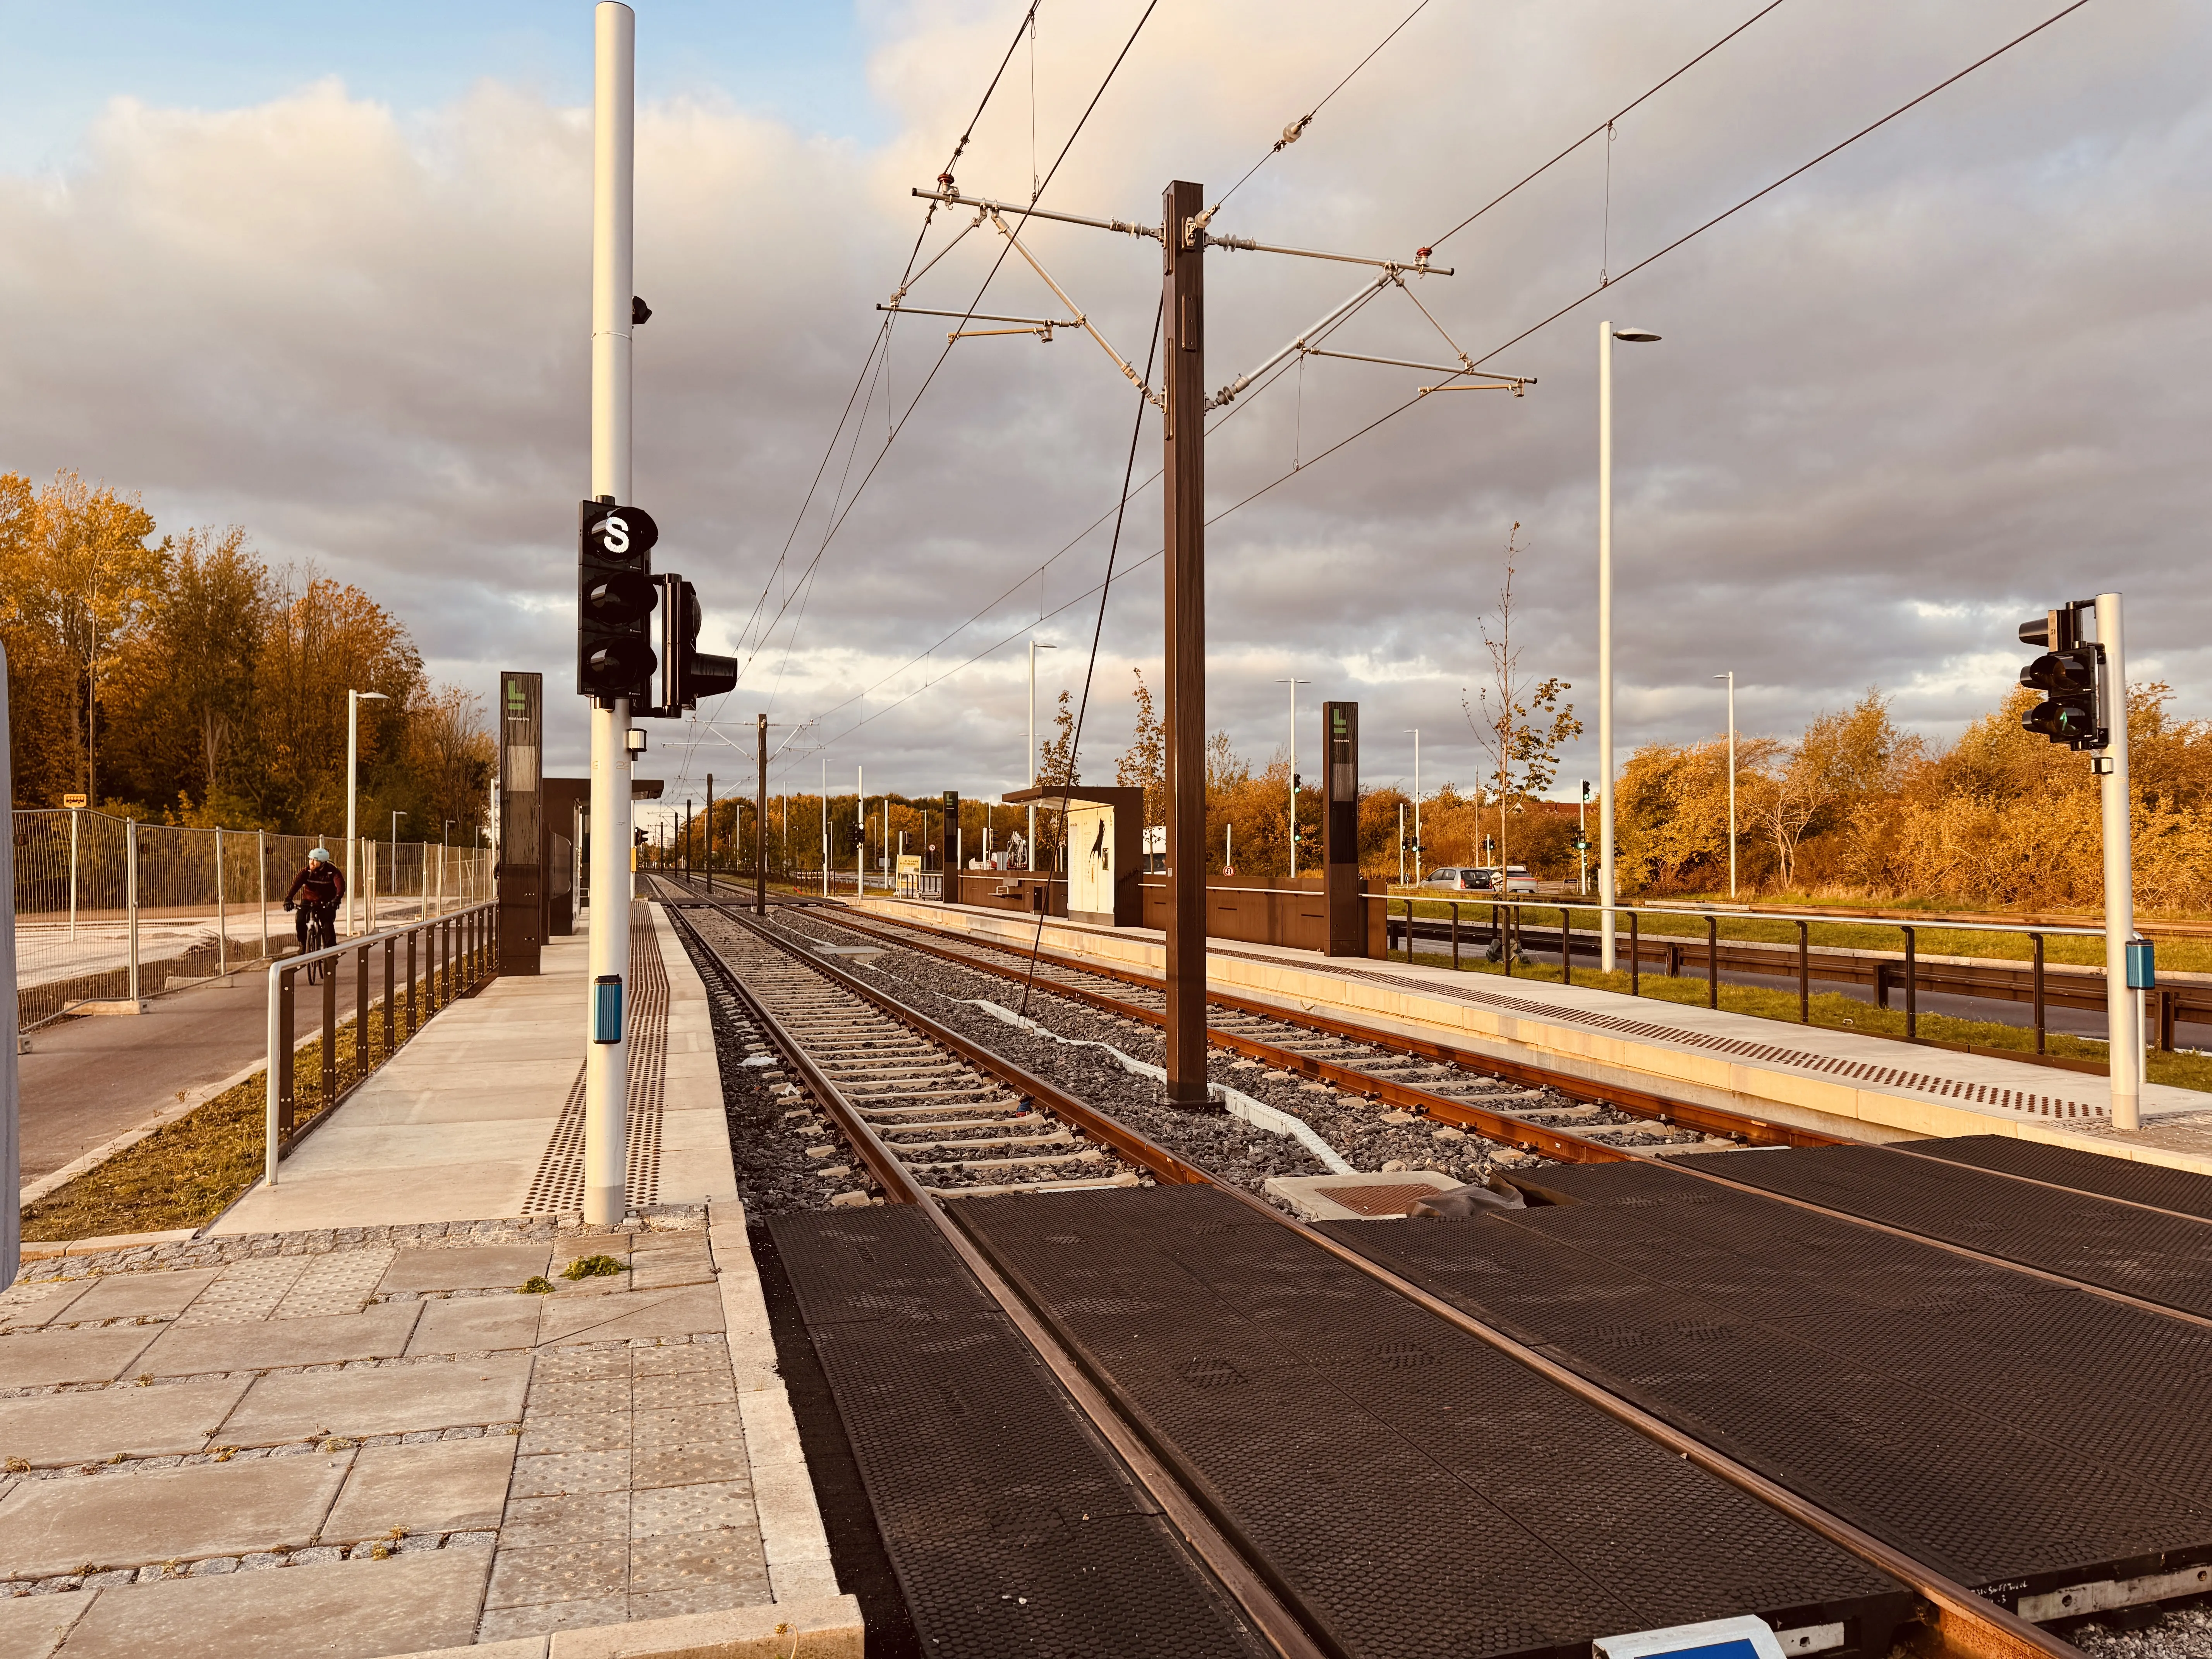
(324, 273)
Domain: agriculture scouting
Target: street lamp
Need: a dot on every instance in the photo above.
(354, 700)
(1730, 677)
(1606, 334)
(1029, 852)
(1294, 685)
(1418, 848)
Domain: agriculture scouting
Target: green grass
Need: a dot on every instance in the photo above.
(1840, 1013)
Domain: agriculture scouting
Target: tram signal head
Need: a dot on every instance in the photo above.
(615, 596)
(690, 673)
(2071, 674)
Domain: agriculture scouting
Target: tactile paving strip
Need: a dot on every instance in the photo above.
(1419, 1493)
(557, 1189)
(1011, 1528)
(2016, 1436)
(2166, 1259)
(2181, 1190)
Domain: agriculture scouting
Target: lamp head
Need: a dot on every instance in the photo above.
(372, 696)
(1635, 336)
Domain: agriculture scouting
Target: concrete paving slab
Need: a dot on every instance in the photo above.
(31, 1626)
(444, 1486)
(25, 1306)
(654, 1313)
(262, 1344)
(476, 1324)
(827, 1628)
(50, 1431)
(344, 1610)
(387, 1400)
(141, 1295)
(129, 1519)
(475, 1267)
(36, 1359)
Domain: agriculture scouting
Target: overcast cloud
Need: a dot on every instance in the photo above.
(1949, 377)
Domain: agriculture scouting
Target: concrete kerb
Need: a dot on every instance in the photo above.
(793, 1539)
(828, 1627)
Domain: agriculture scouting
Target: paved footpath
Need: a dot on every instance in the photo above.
(364, 1438)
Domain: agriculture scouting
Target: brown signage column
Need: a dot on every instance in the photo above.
(1184, 487)
(1340, 816)
(521, 829)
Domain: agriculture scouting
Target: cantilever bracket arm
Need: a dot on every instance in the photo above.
(1156, 399)
(1040, 327)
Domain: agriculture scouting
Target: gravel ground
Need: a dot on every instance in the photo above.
(2181, 1631)
(1367, 1134)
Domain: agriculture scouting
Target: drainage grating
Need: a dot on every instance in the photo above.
(1392, 1198)
(2166, 1259)
(1010, 1527)
(1416, 1491)
(2019, 1437)
(2180, 1190)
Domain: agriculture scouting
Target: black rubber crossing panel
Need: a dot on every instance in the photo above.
(2017, 1436)
(2166, 1258)
(1411, 1491)
(2183, 1191)
(1012, 1529)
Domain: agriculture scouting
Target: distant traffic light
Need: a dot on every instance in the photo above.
(614, 595)
(856, 837)
(688, 673)
(2072, 676)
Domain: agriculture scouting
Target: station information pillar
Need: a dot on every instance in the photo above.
(1341, 899)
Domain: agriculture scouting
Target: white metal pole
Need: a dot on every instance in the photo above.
(1419, 851)
(1607, 961)
(74, 815)
(2124, 1008)
(1294, 780)
(353, 764)
(1731, 766)
(130, 876)
(11, 1141)
(222, 927)
(861, 810)
(261, 886)
(1401, 843)
(825, 826)
(1582, 834)
(606, 1072)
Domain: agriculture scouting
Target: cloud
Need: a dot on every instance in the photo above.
(1954, 373)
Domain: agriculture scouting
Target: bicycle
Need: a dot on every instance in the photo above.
(319, 935)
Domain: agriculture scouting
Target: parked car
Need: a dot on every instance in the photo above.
(1459, 880)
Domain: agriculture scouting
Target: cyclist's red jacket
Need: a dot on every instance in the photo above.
(325, 884)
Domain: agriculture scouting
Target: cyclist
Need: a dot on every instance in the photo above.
(323, 886)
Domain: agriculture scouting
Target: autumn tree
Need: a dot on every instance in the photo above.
(1144, 763)
(1520, 726)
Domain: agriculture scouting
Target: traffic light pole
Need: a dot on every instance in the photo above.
(760, 820)
(2124, 1006)
(606, 1065)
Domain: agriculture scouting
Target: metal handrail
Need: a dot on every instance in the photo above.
(463, 954)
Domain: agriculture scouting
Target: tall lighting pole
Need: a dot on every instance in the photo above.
(1029, 852)
(606, 1066)
(1606, 334)
(1730, 677)
(1418, 848)
(1294, 685)
(354, 700)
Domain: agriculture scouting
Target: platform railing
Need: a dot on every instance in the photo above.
(459, 952)
(1507, 931)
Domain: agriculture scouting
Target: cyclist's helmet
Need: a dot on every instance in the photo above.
(320, 856)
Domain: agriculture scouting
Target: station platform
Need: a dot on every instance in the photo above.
(482, 1116)
(1860, 1087)
(407, 1401)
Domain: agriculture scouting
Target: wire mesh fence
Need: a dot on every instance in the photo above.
(107, 909)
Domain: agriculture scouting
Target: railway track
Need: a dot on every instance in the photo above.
(897, 1083)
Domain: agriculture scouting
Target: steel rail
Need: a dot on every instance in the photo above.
(1244, 1579)
(1560, 1145)
(1636, 1102)
(1959, 1625)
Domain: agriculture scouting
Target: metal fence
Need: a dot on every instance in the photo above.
(109, 910)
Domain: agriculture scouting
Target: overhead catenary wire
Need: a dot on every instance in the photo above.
(1393, 413)
(837, 524)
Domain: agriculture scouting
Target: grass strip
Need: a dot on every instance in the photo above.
(190, 1170)
(1839, 1013)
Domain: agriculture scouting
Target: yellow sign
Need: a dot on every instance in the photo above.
(910, 864)
(73, 802)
